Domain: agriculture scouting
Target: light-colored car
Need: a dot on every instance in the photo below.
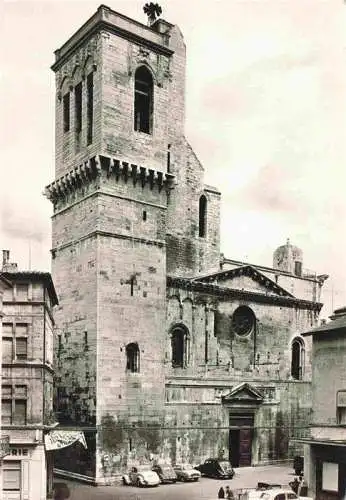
(141, 475)
(275, 494)
(185, 472)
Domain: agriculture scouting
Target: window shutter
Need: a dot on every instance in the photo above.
(6, 412)
(7, 345)
(20, 412)
(21, 348)
(22, 292)
(11, 476)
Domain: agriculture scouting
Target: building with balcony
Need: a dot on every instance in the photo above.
(27, 379)
(325, 450)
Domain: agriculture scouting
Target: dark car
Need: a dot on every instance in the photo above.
(165, 472)
(213, 467)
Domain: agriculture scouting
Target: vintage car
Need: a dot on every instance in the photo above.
(165, 472)
(282, 493)
(267, 491)
(185, 472)
(216, 468)
(141, 475)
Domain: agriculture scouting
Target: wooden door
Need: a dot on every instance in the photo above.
(240, 439)
(245, 445)
(234, 447)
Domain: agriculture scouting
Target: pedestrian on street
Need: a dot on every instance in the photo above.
(229, 493)
(61, 491)
(294, 485)
(221, 493)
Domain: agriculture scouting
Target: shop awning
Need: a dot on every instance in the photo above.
(55, 440)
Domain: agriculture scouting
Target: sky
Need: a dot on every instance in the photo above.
(265, 114)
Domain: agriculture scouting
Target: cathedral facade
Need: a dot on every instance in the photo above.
(164, 347)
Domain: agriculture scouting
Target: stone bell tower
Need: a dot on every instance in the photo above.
(130, 207)
(119, 103)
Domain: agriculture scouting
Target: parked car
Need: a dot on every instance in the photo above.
(165, 472)
(185, 472)
(141, 475)
(273, 494)
(213, 467)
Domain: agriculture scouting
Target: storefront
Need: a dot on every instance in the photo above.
(24, 473)
(325, 469)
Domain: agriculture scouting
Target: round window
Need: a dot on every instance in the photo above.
(243, 321)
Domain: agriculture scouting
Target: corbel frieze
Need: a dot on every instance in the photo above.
(73, 180)
(138, 174)
(90, 170)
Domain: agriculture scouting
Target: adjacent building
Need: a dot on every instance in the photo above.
(164, 348)
(4, 439)
(27, 379)
(325, 450)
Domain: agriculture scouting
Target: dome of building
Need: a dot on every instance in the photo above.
(288, 258)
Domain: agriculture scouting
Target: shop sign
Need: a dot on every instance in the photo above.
(4, 446)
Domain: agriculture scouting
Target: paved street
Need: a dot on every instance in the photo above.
(205, 489)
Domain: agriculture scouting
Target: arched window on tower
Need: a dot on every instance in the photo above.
(297, 361)
(143, 105)
(202, 216)
(180, 346)
(132, 357)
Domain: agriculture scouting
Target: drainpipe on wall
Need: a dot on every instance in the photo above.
(44, 354)
(254, 343)
(206, 336)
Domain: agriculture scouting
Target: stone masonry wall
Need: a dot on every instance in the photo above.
(74, 275)
(286, 411)
(124, 398)
(120, 59)
(187, 253)
(277, 326)
(83, 62)
(197, 423)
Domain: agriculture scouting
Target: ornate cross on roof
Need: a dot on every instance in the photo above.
(152, 10)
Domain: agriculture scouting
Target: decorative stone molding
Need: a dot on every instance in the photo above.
(91, 169)
(86, 57)
(163, 70)
(158, 64)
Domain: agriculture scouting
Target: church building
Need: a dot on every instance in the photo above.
(166, 349)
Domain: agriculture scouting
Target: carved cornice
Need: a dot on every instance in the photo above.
(91, 169)
(224, 293)
(136, 174)
(70, 46)
(72, 180)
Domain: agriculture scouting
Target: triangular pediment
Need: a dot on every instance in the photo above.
(244, 393)
(245, 278)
